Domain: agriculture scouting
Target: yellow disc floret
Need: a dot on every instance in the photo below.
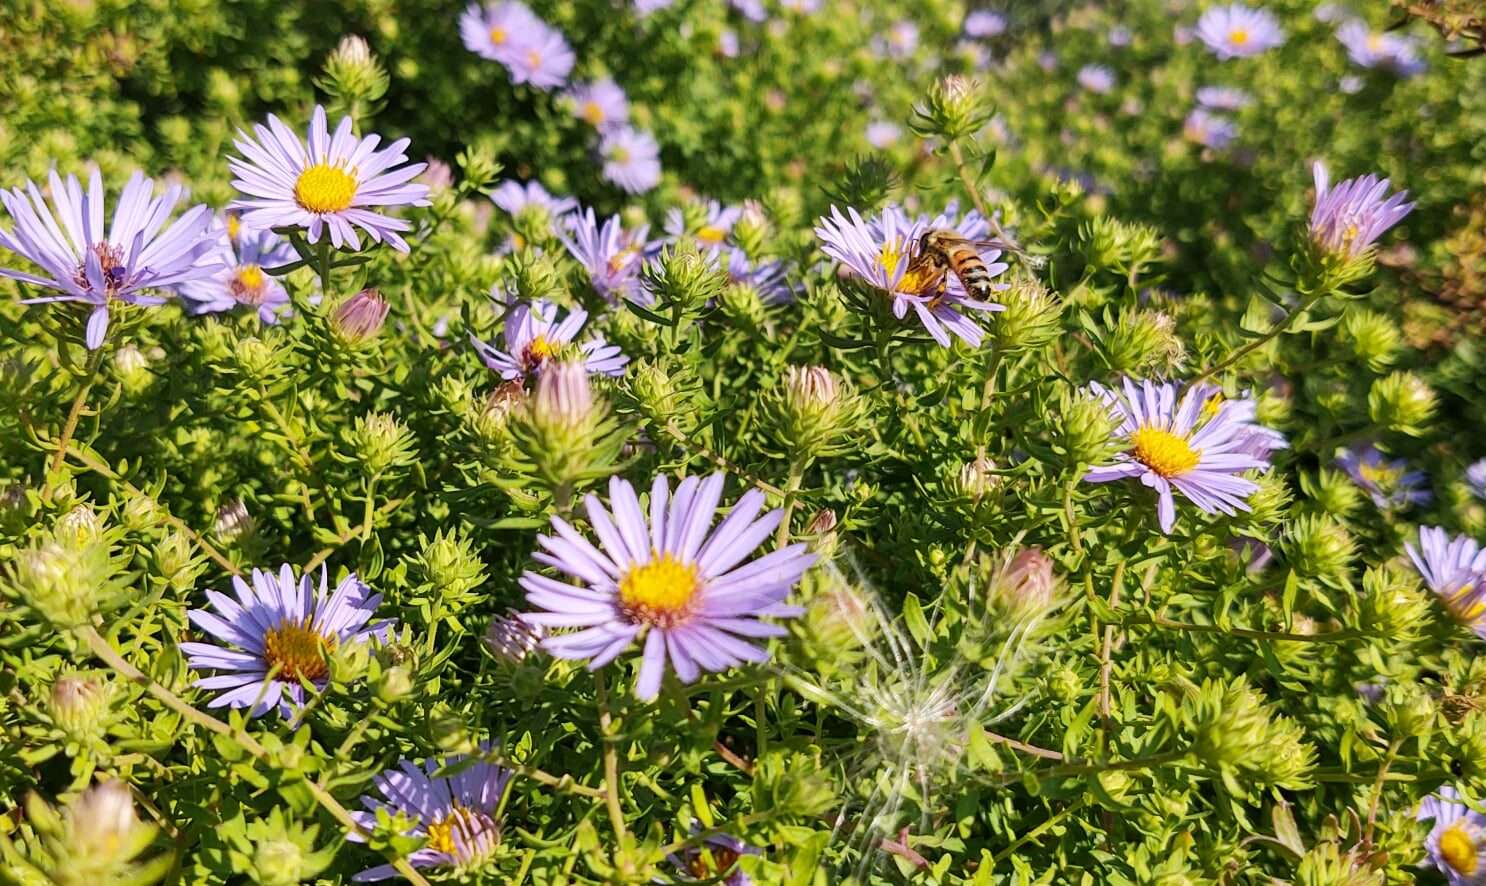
(709, 234)
(297, 650)
(325, 188)
(1163, 452)
(593, 113)
(498, 35)
(1458, 849)
(659, 592)
(1238, 36)
(248, 284)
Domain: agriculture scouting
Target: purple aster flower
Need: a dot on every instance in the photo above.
(534, 335)
(1378, 50)
(753, 10)
(1047, 60)
(514, 197)
(242, 281)
(712, 233)
(457, 813)
(1209, 130)
(541, 58)
(1475, 478)
(1096, 78)
(87, 263)
(1349, 218)
(804, 7)
(727, 43)
(882, 134)
(1330, 13)
(610, 255)
(984, 23)
(646, 7)
(718, 855)
(1350, 84)
(335, 183)
(768, 278)
(631, 159)
(1454, 568)
(1237, 31)
(1120, 36)
(497, 31)
(279, 624)
(601, 103)
(880, 251)
(1185, 445)
(1390, 484)
(899, 42)
(672, 579)
(1223, 98)
(1457, 839)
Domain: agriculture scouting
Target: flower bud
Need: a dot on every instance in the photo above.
(450, 568)
(1087, 431)
(1373, 338)
(684, 278)
(1335, 493)
(377, 442)
(813, 413)
(132, 368)
(436, 175)
(359, 318)
(80, 707)
(349, 662)
(1401, 402)
(1269, 504)
(1318, 546)
(1064, 684)
(234, 523)
(563, 401)
(1410, 712)
(394, 684)
(354, 79)
(1392, 605)
(821, 533)
(278, 862)
(1024, 586)
(659, 395)
(838, 623)
(141, 513)
(752, 230)
(1032, 319)
(66, 584)
(1234, 732)
(743, 306)
(510, 638)
(78, 526)
(97, 839)
(256, 359)
(1144, 342)
(176, 561)
(954, 108)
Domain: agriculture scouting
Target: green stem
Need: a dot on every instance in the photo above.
(323, 256)
(796, 477)
(1326, 637)
(1261, 341)
(371, 509)
(1036, 832)
(611, 757)
(90, 374)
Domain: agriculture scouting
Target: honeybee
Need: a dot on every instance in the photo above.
(942, 252)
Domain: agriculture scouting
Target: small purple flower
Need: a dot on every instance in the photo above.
(514, 197)
(631, 159)
(611, 256)
(768, 278)
(243, 279)
(727, 43)
(1380, 50)
(718, 855)
(534, 335)
(899, 42)
(803, 7)
(87, 263)
(499, 30)
(1390, 484)
(336, 183)
(1454, 568)
(1223, 98)
(459, 813)
(753, 10)
(713, 232)
(1330, 13)
(1237, 31)
(1187, 446)
(671, 579)
(1209, 130)
(1096, 78)
(542, 59)
(1120, 36)
(1047, 60)
(1475, 478)
(1457, 838)
(1351, 84)
(883, 135)
(1348, 219)
(601, 104)
(282, 625)
(880, 251)
(985, 23)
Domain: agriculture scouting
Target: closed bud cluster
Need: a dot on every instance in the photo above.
(1144, 342)
(132, 369)
(1318, 546)
(743, 307)
(955, 107)
(450, 568)
(752, 230)
(1402, 402)
(821, 533)
(661, 394)
(81, 707)
(1033, 316)
(1087, 430)
(234, 523)
(65, 582)
(1234, 732)
(479, 164)
(1373, 338)
(529, 274)
(1270, 503)
(1335, 492)
(1410, 712)
(359, 319)
(683, 279)
(813, 413)
(510, 638)
(1392, 605)
(258, 360)
(96, 839)
(1025, 586)
(1117, 245)
(354, 78)
(378, 442)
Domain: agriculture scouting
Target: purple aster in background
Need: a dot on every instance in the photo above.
(1047, 60)
(457, 813)
(610, 255)
(1349, 218)
(713, 232)
(727, 43)
(1379, 50)
(542, 58)
(672, 580)
(717, 855)
(1475, 478)
(1454, 568)
(1390, 484)
(601, 104)
(899, 42)
(1350, 84)
(1185, 445)
(880, 251)
(1209, 130)
(534, 335)
(514, 198)
(1457, 837)
(985, 23)
(804, 7)
(753, 10)
(631, 159)
(1120, 36)
(243, 279)
(1237, 31)
(498, 30)
(1223, 98)
(334, 184)
(84, 262)
(282, 625)
(646, 7)
(1331, 13)
(768, 278)
(1096, 78)
(882, 134)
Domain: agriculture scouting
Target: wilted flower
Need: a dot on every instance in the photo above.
(456, 813)
(359, 318)
(631, 159)
(715, 857)
(1223, 98)
(601, 104)
(243, 280)
(1236, 31)
(982, 23)
(667, 579)
(1096, 78)
(1389, 483)
(87, 263)
(1381, 50)
(611, 255)
(534, 335)
(336, 183)
(1182, 446)
(279, 633)
(1457, 837)
(1209, 130)
(1455, 569)
(1348, 219)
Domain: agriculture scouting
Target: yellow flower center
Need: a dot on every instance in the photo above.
(709, 234)
(1374, 42)
(915, 280)
(498, 35)
(659, 592)
(247, 284)
(534, 59)
(1238, 36)
(297, 650)
(622, 259)
(1465, 604)
(1458, 849)
(467, 823)
(1163, 452)
(593, 113)
(620, 155)
(325, 188)
(1379, 475)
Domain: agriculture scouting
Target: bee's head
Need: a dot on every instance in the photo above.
(929, 242)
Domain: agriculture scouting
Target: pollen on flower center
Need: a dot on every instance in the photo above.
(498, 35)
(1238, 36)
(1458, 849)
(297, 650)
(710, 234)
(325, 188)
(1163, 452)
(593, 113)
(248, 284)
(454, 833)
(111, 261)
(621, 259)
(539, 350)
(659, 592)
(1381, 475)
(534, 59)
